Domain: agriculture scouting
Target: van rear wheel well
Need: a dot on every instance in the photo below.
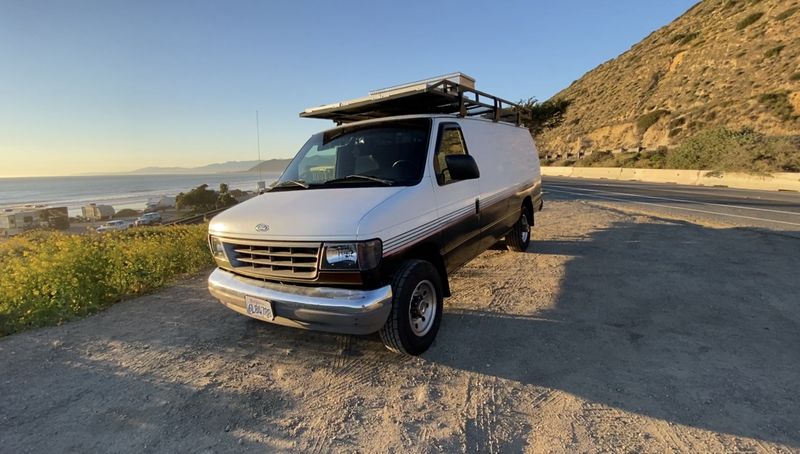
(528, 203)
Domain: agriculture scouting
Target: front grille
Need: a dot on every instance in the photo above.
(276, 259)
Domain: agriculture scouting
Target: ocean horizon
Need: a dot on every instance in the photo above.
(119, 191)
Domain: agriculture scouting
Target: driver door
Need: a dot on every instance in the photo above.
(456, 200)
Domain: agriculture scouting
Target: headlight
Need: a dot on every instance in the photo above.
(217, 248)
(362, 255)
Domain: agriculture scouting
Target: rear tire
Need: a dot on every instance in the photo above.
(520, 236)
(416, 313)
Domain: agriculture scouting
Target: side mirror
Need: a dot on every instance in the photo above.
(462, 167)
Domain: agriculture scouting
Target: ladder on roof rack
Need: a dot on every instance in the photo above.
(439, 97)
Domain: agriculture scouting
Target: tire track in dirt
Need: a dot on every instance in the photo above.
(354, 364)
(492, 422)
(480, 428)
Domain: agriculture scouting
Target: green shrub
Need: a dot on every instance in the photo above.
(654, 159)
(774, 52)
(744, 150)
(778, 103)
(788, 13)
(126, 213)
(629, 159)
(684, 38)
(644, 122)
(749, 20)
(541, 116)
(567, 162)
(201, 199)
(49, 277)
(595, 159)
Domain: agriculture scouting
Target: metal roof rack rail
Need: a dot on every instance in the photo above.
(449, 94)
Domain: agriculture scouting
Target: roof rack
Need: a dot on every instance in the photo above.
(449, 94)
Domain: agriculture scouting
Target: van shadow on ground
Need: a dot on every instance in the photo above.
(670, 320)
(100, 406)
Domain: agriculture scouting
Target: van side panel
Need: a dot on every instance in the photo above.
(536, 191)
(447, 216)
(510, 172)
(457, 203)
(489, 146)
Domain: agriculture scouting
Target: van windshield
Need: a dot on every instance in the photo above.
(378, 154)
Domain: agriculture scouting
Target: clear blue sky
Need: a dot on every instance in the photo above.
(94, 86)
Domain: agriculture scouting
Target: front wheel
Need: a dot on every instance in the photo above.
(416, 308)
(520, 236)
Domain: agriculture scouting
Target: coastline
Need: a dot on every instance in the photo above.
(119, 191)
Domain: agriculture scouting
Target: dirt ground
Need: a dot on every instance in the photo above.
(616, 332)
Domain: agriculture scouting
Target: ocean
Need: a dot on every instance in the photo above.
(120, 191)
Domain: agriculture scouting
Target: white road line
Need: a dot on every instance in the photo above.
(793, 213)
(669, 187)
(677, 208)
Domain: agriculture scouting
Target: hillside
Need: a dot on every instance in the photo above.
(731, 63)
(271, 166)
(224, 167)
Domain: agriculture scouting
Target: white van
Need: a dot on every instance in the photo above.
(362, 230)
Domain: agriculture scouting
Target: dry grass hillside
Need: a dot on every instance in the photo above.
(724, 63)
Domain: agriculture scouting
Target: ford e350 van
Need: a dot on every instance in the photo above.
(363, 228)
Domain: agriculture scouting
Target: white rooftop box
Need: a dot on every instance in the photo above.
(411, 87)
(457, 77)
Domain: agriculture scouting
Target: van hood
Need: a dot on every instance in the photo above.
(301, 214)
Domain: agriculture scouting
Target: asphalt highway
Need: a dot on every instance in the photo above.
(765, 210)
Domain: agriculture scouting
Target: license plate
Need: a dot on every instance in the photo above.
(259, 308)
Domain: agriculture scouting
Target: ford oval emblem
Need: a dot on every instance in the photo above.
(262, 228)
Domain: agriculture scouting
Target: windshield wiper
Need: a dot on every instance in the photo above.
(362, 177)
(287, 183)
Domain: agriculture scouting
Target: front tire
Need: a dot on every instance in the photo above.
(520, 236)
(417, 305)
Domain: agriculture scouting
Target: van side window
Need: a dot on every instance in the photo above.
(451, 141)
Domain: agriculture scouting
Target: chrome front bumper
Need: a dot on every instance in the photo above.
(319, 308)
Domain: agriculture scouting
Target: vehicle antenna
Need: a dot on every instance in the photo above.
(258, 144)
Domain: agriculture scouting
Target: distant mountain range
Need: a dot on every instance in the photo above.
(271, 165)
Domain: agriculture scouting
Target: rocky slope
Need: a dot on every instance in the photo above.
(733, 63)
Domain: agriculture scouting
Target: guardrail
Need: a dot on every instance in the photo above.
(779, 181)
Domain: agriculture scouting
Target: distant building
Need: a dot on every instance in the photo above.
(14, 221)
(95, 212)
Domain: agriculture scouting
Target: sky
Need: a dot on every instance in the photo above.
(106, 86)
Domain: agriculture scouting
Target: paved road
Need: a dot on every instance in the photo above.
(768, 210)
